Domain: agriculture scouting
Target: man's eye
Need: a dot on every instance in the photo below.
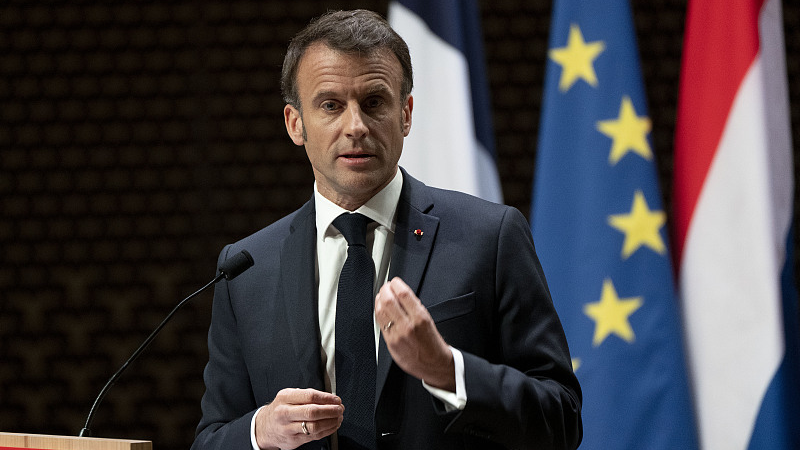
(373, 102)
(329, 106)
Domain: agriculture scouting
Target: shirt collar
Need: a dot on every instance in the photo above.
(381, 208)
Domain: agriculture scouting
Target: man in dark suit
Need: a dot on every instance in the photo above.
(468, 350)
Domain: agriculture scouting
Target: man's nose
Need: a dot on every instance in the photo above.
(355, 128)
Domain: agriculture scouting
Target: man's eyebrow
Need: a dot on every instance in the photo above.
(378, 89)
(323, 95)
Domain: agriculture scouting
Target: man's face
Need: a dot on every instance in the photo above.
(352, 123)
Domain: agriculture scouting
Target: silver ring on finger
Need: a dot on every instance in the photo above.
(388, 325)
(305, 429)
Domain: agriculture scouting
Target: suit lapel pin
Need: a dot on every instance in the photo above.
(418, 233)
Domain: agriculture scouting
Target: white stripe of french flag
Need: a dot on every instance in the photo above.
(733, 209)
(443, 148)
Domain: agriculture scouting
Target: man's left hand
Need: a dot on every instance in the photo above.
(411, 336)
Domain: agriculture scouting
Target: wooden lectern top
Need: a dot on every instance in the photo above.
(45, 442)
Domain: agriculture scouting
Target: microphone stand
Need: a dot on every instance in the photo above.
(229, 269)
(85, 431)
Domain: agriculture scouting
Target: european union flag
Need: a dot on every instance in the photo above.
(600, 232)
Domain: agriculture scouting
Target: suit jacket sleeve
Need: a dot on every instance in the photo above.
(523, 394)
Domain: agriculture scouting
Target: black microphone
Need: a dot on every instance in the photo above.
(235, 265)
(228, 269)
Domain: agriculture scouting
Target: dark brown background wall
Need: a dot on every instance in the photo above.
(138, 137)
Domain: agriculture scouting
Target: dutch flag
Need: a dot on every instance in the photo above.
(733, 220)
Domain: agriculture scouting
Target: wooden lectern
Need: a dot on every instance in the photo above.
(43, 442)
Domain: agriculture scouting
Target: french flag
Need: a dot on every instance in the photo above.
(451, 144)
(733, 222)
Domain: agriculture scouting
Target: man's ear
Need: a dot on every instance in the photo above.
(407, 108)
(294, 124)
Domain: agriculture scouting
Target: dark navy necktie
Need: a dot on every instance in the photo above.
(355, 337)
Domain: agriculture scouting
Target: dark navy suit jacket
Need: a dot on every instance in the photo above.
(474, 268)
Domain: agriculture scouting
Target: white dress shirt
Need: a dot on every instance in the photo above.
(331, 254)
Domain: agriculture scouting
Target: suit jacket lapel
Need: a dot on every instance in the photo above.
(299, 297)
(410, 253)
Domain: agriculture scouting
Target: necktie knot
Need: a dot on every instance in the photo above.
(353, 227)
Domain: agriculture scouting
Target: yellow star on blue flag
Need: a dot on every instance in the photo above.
(642, 227)
(577, 59)
(628, 133)
(611, 313)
